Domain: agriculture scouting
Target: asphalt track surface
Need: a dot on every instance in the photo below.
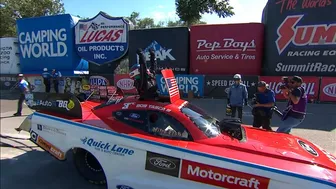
(24, 165)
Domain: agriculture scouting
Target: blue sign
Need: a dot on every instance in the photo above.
(47, 42)
(106, 147)
(102, 39)
(185, 83)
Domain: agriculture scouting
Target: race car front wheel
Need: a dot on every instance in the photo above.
(89, 167)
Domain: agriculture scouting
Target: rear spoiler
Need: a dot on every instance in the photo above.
(67, 104)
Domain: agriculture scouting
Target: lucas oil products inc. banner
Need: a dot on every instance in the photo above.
(300, 37)
(102, 39)
(170, 45)
(185, 83)
(218, 86)
(9, 56)
(47, 42)
(311, 85)
(226, 49)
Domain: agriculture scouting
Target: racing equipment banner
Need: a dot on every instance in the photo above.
(9, 57)
(328, 89)
(185, 84)
(8, 81)
(311, 85)
(47, 42)
(218, 86)
(102, 39)
(226, 49)
(300, 37)
(171, 46)
(124, 82)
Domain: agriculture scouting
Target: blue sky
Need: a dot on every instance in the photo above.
(162, 10)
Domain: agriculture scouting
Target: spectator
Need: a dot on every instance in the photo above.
(46, 79)
(262, 108)
(237, 97)
(295, 112)
(24, 89)
(56, 76)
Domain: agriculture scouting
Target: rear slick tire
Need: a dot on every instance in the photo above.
(89, 167)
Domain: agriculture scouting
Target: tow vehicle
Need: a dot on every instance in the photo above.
(169, 143)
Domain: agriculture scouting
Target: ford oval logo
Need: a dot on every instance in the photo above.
(330, 90)
(134, 115)
(162, 163)
(126, 84)
(123, 187)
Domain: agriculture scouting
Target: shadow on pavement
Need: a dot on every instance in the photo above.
(9, 95)
(319, 116)
(23, 115)
(39, 170)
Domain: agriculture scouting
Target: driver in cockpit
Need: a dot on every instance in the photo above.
(144, 78)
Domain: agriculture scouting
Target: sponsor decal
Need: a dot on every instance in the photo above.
(102, 39)
(33, 136)
(185, 84)
(308, 148)
(50, 148)
(67, 104)
(330, 90)
(221, 177)
(125, 84)
(161, 53)
(106, 147)
(50, 129)
(227, 44)
(99, 81)
(303, 35)
(123, 187)
(306, 67)
(145, 106)
(37, 82)
(134, 115)
(162, 164)
(169, 132)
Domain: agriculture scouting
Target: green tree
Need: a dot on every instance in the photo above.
(11, 10)
(190, 11)
(146, 23)
(181, 23)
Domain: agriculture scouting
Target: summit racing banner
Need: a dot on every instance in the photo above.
(102, 39)
(311, 85)
(47, 42)
(185, 83)
(226, 49)
(170, 45)
(300, 37)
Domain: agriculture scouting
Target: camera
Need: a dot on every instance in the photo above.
(254, 100)
(285, 83)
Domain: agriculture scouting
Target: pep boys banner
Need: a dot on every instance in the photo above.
(311, 85)
(47, 42)
(102, 39)
(185, 83)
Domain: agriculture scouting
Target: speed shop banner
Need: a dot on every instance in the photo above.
(218, 86)
(300, 37)
(311, 85)
(328, 89)
(185, 83)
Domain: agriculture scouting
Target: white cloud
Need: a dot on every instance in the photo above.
(163, 16)
(160, 6)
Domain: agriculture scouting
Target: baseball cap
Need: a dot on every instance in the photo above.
(45, 69)
(262, 84)
(237, 76)
(20, 75)
(297, 79)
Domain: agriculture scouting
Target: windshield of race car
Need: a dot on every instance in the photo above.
(204, 122)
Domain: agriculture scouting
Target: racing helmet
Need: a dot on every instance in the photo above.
(135, 71)
(237, 76)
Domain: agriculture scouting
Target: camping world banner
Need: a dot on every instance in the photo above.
(102, 39)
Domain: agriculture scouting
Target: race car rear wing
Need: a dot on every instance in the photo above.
(65, 104)
(171, 84)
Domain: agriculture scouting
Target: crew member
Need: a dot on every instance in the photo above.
(24, 89)
(56, 76)
(295, 112)
(262, 110)
(144, 80)
(237, 97)
(46, 79)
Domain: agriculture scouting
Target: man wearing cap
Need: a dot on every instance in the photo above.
(46, 79)
(56, 76)
(295, 112)
(262, 109)
(24, 89)
(237, 97)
